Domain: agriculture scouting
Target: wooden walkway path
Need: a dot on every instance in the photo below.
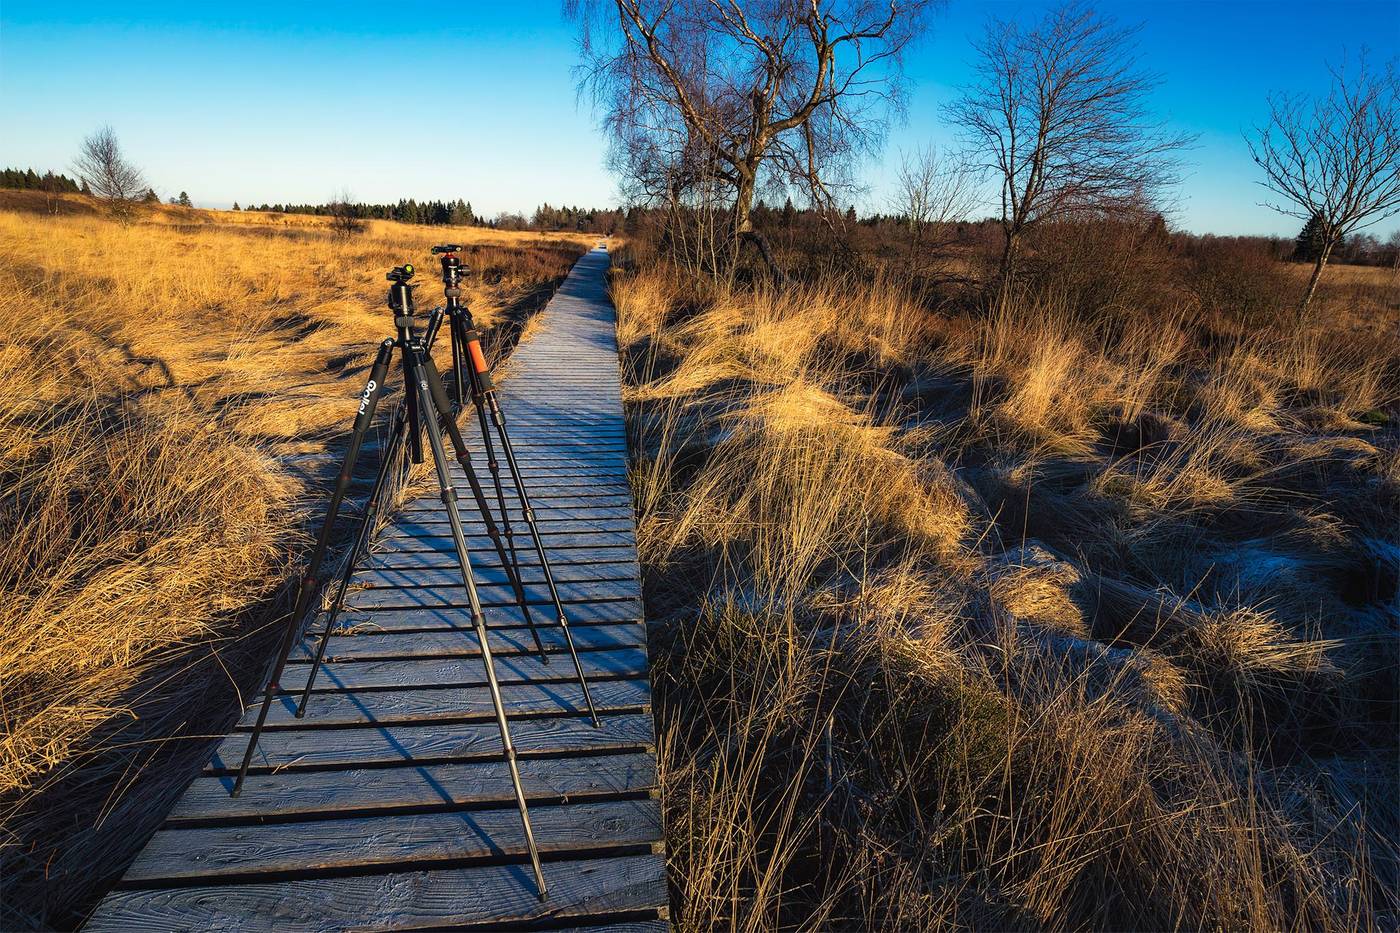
(388, 806)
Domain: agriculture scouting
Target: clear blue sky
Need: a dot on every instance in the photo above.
(292, 102)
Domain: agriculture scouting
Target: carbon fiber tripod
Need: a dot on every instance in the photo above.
(471, 373)
(425, 405)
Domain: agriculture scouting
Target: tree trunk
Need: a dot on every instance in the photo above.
(1008, 265)
(760, 241)
(1318, 266)
(744, 231)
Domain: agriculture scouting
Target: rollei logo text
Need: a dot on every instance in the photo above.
(364, 399)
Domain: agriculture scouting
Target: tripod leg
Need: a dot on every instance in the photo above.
(494, 467)
(309, 584)
(458, 382)
(427, 399)
(466, 345)
(381, 482)
(500, 422)
(435, 318)
(481, 385)
(437, 396)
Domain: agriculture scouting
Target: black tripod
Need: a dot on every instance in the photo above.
(425, 403)
(471, 371)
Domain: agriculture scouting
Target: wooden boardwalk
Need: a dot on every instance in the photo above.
(389, 806)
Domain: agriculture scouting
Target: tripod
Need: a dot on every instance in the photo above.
(470, 370)
(425, 403)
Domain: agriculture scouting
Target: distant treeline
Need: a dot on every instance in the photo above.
(27, 178)
(459, 213)
(408, 210)
(1359, 248)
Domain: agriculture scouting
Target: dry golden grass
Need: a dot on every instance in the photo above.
(174, 393)
(1015, 620)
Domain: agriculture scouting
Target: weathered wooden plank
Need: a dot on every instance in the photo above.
(483, 895)
(463, 672)
(550, 475)
(321, 845)
(362, 791)
(437, 743)
(493, 575)
(423, 705)
(606, 925)
(546, 450)
(548, 526)
(390, 560)
(458, 618)
(558, 486)
(546, 447)
(554, 505)
(552, 542)
(582, 467)
(504, 642)
(491, 594)
(544, 515)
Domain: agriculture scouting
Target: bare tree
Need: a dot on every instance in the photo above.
(345, 215)
(1336, 159)
(932, 191)
(721, 99)
(1060, 109)
(107, 172)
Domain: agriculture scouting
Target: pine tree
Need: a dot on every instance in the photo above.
(235, 205)
(151, 196)
(1310, 240)
(1157, 233)
(184, 200)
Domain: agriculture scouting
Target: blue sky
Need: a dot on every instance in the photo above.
(292, 102)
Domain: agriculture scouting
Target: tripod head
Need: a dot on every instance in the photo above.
(401, 292)
(453, 268)
(452, 271)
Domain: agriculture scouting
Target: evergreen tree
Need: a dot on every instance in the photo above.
(235, 205)
(1311, 240)
(184, 200)
(151, 197)
(1157, 233)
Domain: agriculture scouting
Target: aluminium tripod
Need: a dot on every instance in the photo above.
(425, 403)
(471, 372)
